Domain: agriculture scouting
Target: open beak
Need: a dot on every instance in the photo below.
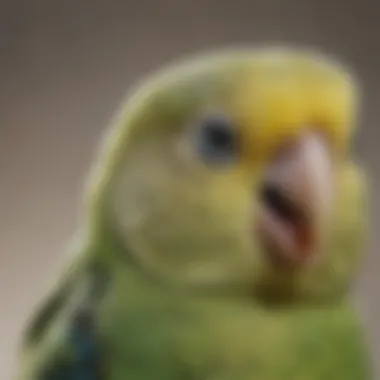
(296, 199)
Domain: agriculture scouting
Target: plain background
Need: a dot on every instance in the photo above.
(64, 67)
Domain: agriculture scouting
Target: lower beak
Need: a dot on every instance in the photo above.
(296, 199)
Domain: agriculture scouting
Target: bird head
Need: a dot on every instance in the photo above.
(233, 172)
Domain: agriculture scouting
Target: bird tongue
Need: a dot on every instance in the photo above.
(303, 239)
(290, 241)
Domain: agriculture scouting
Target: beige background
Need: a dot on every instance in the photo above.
(64, 66)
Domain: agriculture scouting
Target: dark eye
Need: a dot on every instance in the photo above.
(216, 140)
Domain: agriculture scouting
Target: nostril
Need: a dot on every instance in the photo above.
(275, 199)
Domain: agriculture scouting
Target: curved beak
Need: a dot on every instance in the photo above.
(296, 199)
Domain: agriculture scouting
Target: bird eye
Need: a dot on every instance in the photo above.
(216, 140)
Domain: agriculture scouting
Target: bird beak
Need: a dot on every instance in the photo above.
(296, 199)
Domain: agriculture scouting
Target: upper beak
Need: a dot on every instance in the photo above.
(296, 199)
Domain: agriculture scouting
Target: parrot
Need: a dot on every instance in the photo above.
(225, 221)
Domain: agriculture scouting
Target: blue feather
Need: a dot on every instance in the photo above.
(85, 345)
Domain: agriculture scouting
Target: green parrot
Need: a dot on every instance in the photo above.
(224, 226)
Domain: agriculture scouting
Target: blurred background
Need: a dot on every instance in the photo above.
(64, 68)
